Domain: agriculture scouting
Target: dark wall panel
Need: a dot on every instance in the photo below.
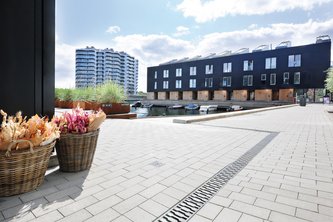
(27, 56)
(315, 59)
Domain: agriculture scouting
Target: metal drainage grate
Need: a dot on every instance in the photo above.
(193, 202)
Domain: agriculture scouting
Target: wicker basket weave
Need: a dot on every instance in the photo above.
(75, 152)
(23, 171)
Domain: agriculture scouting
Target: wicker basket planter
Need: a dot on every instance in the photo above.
(23, 171)
(76, 151)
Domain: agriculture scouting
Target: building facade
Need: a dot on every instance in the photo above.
(261, 75)
(96, 66)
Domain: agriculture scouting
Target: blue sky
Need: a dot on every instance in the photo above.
(157, 31)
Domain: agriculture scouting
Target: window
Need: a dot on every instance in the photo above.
(273, 79)
(193, 71)
(178, 72)
(193, 83)
(209, 69)
(248, 65)
(209, 82)
(248, 80)
(166, 73)
(294, 60)
(270, 63)
(286, 78)
(155, 75)
(165, 84)
(155, 85)
(263, 77)
(227, 67)
(226, 81)
(178, 84)
(297, 78)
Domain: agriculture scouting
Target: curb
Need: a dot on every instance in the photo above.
(226, 115)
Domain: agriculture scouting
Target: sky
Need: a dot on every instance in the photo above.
(156, 31)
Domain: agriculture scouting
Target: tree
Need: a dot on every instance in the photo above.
(329, 79)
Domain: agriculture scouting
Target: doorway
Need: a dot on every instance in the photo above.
(167, 95)
(275, 95)
(180, 95)
(251, 95)
(194, 95)
(210, 95)
(229, 95)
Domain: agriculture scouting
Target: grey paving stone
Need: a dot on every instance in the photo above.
(62, 193)
(153, 207)
(242, 197)
(49, 207)
(259, 194)
(8, 202)
(138, 214)
(297, 203)
(105, 216)
(210, 211)
(122, 219)
(249, 218)
(77, 205)
(35, 195)
(108, 192)
(165, 200)
(250, 209)
(129, 204)
(279, 217)
(228, 215)
(22, 217)
(49, 217)
(275, 206)
(152, 191)
(113, 182)
(131, 191)
(197, 218)
(318, 200)
(222, 201)
(78, 216)
(326, 210)
(312, 216)
(173, 192)
(103, 204)
(23, 208)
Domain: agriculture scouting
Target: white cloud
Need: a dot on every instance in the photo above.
(204, 11)
(304, 33)
(182, 30)
(113, 29)
(151, 50)
(64, 65)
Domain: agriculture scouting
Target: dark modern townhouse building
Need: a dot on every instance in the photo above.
(264, 74)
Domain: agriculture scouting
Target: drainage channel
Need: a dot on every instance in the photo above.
(192, 203)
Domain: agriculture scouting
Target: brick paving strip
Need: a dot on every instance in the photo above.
(185, 209)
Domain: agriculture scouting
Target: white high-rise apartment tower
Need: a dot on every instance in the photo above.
(96, 66)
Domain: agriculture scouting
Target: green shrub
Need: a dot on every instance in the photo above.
(64, 94)
(57, 93)
(110, 92)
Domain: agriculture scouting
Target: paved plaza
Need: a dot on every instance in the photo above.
(144, 168)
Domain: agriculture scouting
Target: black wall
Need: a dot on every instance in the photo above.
(315, 59)
(27, 47)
